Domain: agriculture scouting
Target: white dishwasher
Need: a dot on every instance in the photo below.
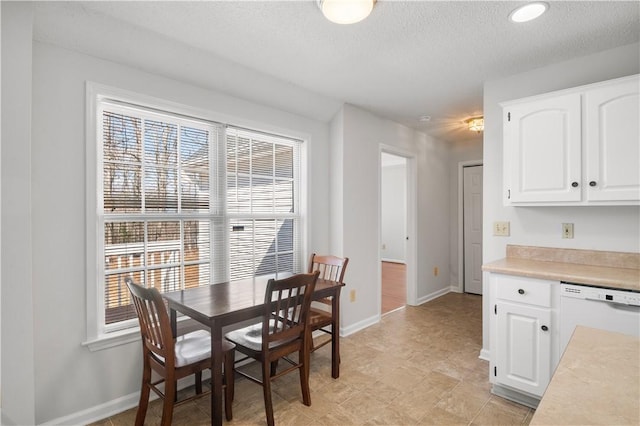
(597, 307)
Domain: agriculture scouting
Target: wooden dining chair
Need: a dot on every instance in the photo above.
(331, 268)
(284, 330)
(173, 358)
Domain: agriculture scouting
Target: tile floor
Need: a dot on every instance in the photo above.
(418, 366)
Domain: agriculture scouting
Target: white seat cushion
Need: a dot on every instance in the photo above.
(251, 337)
(192, 347)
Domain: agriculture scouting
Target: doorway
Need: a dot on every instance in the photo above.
(393, 231)
(472, 228)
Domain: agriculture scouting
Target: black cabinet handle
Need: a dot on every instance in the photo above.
(574, 184)
(521, 291)
(592, 183)
(544, 328)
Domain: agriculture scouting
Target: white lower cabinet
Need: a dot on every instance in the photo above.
(524, 336)
(523, 358)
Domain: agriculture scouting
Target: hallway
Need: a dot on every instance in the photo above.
(394, 286)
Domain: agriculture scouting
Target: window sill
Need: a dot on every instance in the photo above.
(129, 335)
(114, 339)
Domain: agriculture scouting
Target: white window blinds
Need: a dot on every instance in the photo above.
(262, 206)
(186, 202)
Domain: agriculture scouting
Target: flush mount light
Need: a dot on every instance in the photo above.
(346, 11)
(528, 12)
(475, 124)
(425, 118)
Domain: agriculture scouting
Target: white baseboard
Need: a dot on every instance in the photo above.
(434, 295)
(485, 354)
(402, 262)
(361, 325)
(113, 407)
(99, 412)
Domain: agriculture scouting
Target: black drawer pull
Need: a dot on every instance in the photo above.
(592, 183)
(521, 291)
(544, 328)
(574, 184)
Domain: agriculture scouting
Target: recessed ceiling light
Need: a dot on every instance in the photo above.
(425, 118)
(529, 12)
(346, 11)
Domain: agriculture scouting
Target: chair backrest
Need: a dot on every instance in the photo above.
(287, 303)
(155, 326)
(331, 268)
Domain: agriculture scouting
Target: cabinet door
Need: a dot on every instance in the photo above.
(523, 359)
(542, 145)
(612, 121)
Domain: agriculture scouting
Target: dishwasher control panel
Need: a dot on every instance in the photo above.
(602, 294)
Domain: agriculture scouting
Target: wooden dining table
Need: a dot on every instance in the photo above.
(227, 303)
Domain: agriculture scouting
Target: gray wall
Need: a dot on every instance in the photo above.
(362, 134)
(18, 399)
(46, 371)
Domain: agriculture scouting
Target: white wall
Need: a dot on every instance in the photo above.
(596, 228)
(393, 208)
(336, 177)
(362, 134)
(47, 373)
(17, 294)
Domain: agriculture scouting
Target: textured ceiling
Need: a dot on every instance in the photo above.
(407, 59)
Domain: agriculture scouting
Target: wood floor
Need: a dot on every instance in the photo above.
(418, 366)
(394, 286)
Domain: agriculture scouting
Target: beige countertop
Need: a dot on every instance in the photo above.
(628, 279)
(609, 269)
(597, 382)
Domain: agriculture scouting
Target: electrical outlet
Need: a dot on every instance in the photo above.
(567, 230)
(352, 295)
(501, 229)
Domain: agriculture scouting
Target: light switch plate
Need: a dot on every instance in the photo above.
(501, 229)
(567, 230)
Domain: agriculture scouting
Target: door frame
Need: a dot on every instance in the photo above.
(411, 220)
(461, 166)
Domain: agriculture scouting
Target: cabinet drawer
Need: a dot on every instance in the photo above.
(531, 291)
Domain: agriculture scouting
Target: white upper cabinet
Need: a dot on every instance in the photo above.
(578, 146)
(613, 142)
(542, 149)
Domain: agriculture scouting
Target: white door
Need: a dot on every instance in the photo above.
(472, 229)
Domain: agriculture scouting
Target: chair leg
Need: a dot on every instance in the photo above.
(229, 381)
(144, 394)
(304, 377)
(142, 405)
(198, 375)
(167, 406)
(274, 368)
(266, 390)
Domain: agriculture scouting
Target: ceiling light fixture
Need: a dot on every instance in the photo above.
(346, 11)
(475, 124)
(528, 12)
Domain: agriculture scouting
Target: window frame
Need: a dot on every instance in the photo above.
(99, 335)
